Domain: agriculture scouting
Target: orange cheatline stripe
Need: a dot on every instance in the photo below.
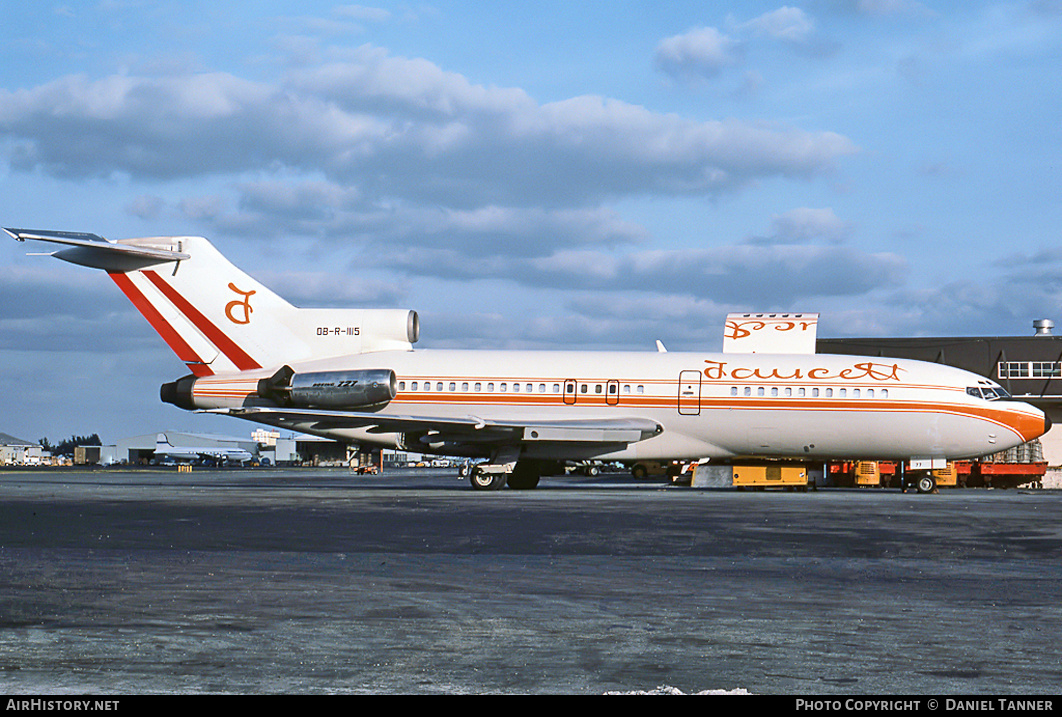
(1027, 426)
(226, 345)
(173, 339)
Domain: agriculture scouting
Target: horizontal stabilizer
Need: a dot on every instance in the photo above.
(94, 251)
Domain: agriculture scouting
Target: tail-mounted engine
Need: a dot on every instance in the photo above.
(361, 388)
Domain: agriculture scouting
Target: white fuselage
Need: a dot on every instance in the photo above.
(709, 405)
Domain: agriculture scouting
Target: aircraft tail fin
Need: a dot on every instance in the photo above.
(215, 317)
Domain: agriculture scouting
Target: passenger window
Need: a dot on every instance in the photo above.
(478, 387)
(401, 385)
(464, 387)
(490, 387)
(438, 386)
(453, 386)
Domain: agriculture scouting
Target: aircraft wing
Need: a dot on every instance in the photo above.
(468, 429)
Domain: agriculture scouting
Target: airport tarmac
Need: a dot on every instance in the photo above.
(318, 581)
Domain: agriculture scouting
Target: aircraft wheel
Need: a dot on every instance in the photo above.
(525, 476)
(927, 484)
(639, 472)
(486, 481)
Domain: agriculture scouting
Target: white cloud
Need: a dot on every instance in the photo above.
(767, 277)
(698, 53)
(891, 7)
(363, 12)
(786, 23)
(394, 127)
(322, 289)
(67, 305)
(806, 224)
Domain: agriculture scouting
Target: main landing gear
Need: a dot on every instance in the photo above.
(519, 475)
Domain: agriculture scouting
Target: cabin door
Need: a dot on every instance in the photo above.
(689, 393)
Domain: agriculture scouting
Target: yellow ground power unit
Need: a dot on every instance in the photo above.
(770, 475)
(867, 473)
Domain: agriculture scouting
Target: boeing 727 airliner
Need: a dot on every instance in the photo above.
(353, 375)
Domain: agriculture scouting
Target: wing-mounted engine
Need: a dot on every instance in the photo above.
(354, 389)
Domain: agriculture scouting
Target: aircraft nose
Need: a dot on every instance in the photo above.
(1047, 422)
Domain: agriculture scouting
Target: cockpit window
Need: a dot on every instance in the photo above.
(989, 393)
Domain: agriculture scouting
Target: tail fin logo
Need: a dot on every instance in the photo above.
(232, 309)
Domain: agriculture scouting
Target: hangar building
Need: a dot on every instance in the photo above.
(16, 452)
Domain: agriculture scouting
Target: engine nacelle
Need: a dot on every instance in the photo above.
(358, 388)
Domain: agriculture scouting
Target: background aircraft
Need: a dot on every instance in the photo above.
(187, 454)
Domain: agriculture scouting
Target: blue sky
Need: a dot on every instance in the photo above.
(527, 174)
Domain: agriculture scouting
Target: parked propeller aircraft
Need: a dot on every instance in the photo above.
(217, 454)
(353, 375)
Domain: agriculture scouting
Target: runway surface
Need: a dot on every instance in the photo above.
(317, 581)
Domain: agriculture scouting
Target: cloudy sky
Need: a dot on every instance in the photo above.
(526, 174)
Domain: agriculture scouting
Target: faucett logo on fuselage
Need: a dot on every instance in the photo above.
(245, 305)
(868, 370)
